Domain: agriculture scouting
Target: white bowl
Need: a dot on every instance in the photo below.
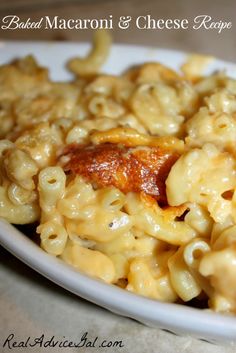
(174, 317)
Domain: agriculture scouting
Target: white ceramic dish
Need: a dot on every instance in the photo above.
(177, 318)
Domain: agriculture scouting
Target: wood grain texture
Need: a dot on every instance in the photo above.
(203, 41)
(222, 45)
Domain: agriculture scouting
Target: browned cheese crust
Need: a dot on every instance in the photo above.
(139, 169)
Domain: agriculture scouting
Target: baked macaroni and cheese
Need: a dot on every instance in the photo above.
(130, 179)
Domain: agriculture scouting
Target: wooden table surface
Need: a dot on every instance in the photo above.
(205, 41)
(30, 304)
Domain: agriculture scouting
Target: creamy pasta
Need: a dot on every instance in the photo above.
(131, 179)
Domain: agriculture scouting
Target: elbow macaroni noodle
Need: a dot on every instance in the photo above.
(176, 253)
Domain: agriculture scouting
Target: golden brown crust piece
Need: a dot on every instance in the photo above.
(140, 169)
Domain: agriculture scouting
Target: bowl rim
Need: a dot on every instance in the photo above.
(175, 317)
(171, 316)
